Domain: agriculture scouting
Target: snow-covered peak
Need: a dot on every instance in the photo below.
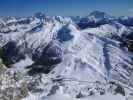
(40, 15)
(63, 20)
(126, 20)
(95, 19)
(99, 14)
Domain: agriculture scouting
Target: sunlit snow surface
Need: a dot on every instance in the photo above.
(66, 97)
(90, 59)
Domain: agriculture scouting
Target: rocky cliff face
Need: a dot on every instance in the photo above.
(12, 84)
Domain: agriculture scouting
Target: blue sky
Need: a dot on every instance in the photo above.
(64, 7)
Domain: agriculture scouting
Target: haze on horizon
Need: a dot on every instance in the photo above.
(65, 7)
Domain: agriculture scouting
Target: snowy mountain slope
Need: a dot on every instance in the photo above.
(125, 20)
(56, 56)
(92, 59)
(87, 59)
(109, 30)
